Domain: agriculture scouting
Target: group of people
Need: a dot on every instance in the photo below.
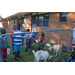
(17, 41)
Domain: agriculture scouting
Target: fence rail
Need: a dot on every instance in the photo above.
(30, 57)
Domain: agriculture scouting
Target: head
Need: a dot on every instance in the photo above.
(18, 26)
(15, 27)
(42, 35)
(28, 30)
(50, 48)
(3, 31)
(50, 57)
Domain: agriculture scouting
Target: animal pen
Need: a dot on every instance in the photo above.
(52, 36)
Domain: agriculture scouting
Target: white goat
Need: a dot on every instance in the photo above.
(56, 48)
(47, 44)
(41, 55)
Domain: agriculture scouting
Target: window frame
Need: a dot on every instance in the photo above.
(43, 20)
(63, 15)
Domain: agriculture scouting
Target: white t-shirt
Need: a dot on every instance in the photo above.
(26, 37)
(74, 33)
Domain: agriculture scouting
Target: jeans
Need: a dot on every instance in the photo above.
(40, 46)
(27, 45)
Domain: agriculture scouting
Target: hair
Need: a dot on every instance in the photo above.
(42, 34)
(3, 31)
(19, 26)
(28, 30)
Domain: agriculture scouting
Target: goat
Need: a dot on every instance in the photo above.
(56, 48)
(41, 55)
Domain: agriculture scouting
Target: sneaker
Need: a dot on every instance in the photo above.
(26, 51)
(19, 57)
(13, 53)
(15, 60)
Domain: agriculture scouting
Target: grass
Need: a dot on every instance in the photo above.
(29, 57)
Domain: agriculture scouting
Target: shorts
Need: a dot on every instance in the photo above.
(17, 48)
(73, 41)
(4, 53)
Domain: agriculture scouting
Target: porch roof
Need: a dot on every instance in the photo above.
(1, 18)
(18, 14)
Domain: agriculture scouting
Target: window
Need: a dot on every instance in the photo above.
(43, 20)
(40, 20)
(46, 20)
(63, 17)
(22, 20)
(19, 20)
(14, 21)
(10, 22)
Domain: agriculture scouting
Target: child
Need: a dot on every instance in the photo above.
(17, 42)
(3, 45)
(41, 41)
(27, 41)
(73, 36)
(14, 28)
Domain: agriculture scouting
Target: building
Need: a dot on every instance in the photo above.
(3, 23)
(38, 21)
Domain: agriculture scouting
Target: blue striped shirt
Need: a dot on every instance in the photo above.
(17, 39)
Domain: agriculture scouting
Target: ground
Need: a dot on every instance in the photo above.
(29, 57)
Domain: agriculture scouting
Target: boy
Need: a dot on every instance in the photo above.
(17, 42)
(27, 41)
(14, 28)
(4, 45)
(73, 36)
(41, 41)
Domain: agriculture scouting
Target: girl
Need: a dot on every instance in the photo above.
(4, 45)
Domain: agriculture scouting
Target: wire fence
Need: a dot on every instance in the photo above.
(52, 37)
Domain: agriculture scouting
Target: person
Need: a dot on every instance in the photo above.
(41, 41)
(71, 58)
(17, 42)
(4, 45)
(11, 31)
(34, 35)
(73, 35)
(27, 41)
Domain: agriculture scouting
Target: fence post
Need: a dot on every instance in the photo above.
(69, 40)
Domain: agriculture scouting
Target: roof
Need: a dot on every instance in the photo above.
(18, 14)
(1, 17)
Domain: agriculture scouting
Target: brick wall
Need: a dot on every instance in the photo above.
(27, 22)
(5, 23)
(54, 18)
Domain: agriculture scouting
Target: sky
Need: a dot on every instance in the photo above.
(6, 14)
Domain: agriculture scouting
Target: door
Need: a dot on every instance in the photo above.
(34, 21)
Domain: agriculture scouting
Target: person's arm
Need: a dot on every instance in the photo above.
(22, 41)
(27, 40)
